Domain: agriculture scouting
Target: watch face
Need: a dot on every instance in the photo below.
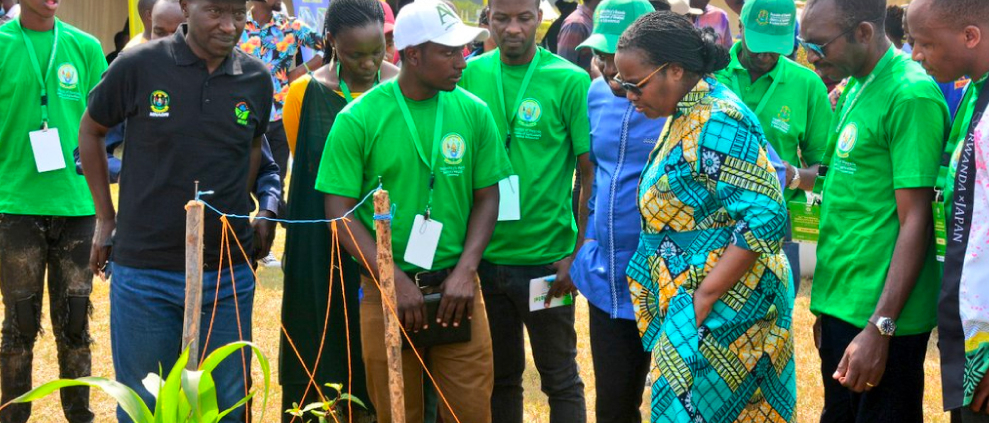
(886, 326)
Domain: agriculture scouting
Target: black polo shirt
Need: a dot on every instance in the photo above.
(183, 125)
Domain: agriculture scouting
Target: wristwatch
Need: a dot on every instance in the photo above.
(886, 326)
(795, 182)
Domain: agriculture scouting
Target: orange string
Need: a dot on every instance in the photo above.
(216, 297)
(346, 325)
(391, 308)
(233, 285)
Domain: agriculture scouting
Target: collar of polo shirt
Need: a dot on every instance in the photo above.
(184, 56)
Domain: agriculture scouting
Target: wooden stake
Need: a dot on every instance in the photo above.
(393, 336)
(193, 280)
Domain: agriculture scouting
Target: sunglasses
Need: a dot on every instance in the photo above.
(636, 88)
(818, 49)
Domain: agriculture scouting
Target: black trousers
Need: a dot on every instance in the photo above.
(899, 396)
(620, 367)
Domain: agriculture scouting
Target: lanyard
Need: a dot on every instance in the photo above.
(42, 76)
(512, 113)
(346, 90)
(737, 87)
(437, 136)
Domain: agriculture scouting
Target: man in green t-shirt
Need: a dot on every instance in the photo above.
(789, 99)
(435, 148)
(876, 283)
(46, 213)
(539, 101)
(949, 43)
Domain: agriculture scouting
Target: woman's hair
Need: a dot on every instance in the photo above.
(894, 23)
(666, 37)
(344, 14)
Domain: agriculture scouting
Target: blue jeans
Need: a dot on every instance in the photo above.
(551, 335)
(792, 251)
(146, 313)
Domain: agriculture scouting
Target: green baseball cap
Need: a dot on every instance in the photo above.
(611, 18)
(769, 25)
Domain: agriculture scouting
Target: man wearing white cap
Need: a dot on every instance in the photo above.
(436, 149)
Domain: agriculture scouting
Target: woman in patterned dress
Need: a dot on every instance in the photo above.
(711, 289)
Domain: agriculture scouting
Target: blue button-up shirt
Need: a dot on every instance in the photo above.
(621, 140)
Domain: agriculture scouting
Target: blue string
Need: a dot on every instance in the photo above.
(348, 213)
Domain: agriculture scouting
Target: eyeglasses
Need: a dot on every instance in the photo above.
(637, 87)
(818, 49)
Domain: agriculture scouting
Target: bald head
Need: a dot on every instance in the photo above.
(165, 18)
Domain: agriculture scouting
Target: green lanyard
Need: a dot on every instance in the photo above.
(437, 136)
(854, 92)
(737, 87)
(42, 76)
(512, 113)
(343, 84)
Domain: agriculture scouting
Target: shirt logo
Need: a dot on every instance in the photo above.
(529, 112)
(159, 104)
(242, 112)
(763, 18)
(782, 120)
(846, 142)
(453, 148)
(68, 77)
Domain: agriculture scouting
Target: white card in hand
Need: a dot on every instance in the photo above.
(539, 288)
(509, 207)
(47, 150)
(422, 242)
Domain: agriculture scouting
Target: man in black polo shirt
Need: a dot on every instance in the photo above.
(196, 110)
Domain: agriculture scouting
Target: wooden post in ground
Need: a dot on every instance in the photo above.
(194, 212)
(386, 278)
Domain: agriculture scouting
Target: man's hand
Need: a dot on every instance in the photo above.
(862, 366)
(264, 234)
(790, 172)
(458, 297)
(99, 254)
(411, 306)
(980, 396)
(563, 285)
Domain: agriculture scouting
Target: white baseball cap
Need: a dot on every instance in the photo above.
(682, 7)
(433, 21)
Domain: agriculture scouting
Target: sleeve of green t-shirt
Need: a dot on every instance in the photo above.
(97, 66)
(575, 114)
(818, 124)
(341, 169)
(916, 129)
(490, 159)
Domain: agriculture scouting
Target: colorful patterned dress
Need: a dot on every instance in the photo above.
(708, 184)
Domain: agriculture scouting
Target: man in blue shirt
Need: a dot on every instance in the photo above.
(621, 139)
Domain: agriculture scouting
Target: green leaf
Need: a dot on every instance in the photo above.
(129, 401)
(170, 397)
(220, 354)
(152, 383)
(190, 387)
(207, 398)
(353, 399)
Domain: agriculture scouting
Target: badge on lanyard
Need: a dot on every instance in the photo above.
(805, 221)
(423, 240)
(940, 230)
(47, 150)
(509, 206)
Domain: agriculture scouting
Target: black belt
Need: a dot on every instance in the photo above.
(422, 279)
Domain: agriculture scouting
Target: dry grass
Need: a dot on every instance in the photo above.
(267, 309)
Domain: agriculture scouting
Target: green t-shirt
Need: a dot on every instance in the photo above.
(891, 139)
(370, 139)
(77, 68)
(795, 115)
(551, 129)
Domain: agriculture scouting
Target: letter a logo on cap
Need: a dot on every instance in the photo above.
(444, 11)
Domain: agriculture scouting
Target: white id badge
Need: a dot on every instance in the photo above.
(509, 207)
(47, 150)
(422, 242)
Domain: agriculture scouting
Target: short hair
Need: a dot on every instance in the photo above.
(960, 13)
(344, 14)
(853, 12)
(666, 37)
(482, 16)
(894, 22)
